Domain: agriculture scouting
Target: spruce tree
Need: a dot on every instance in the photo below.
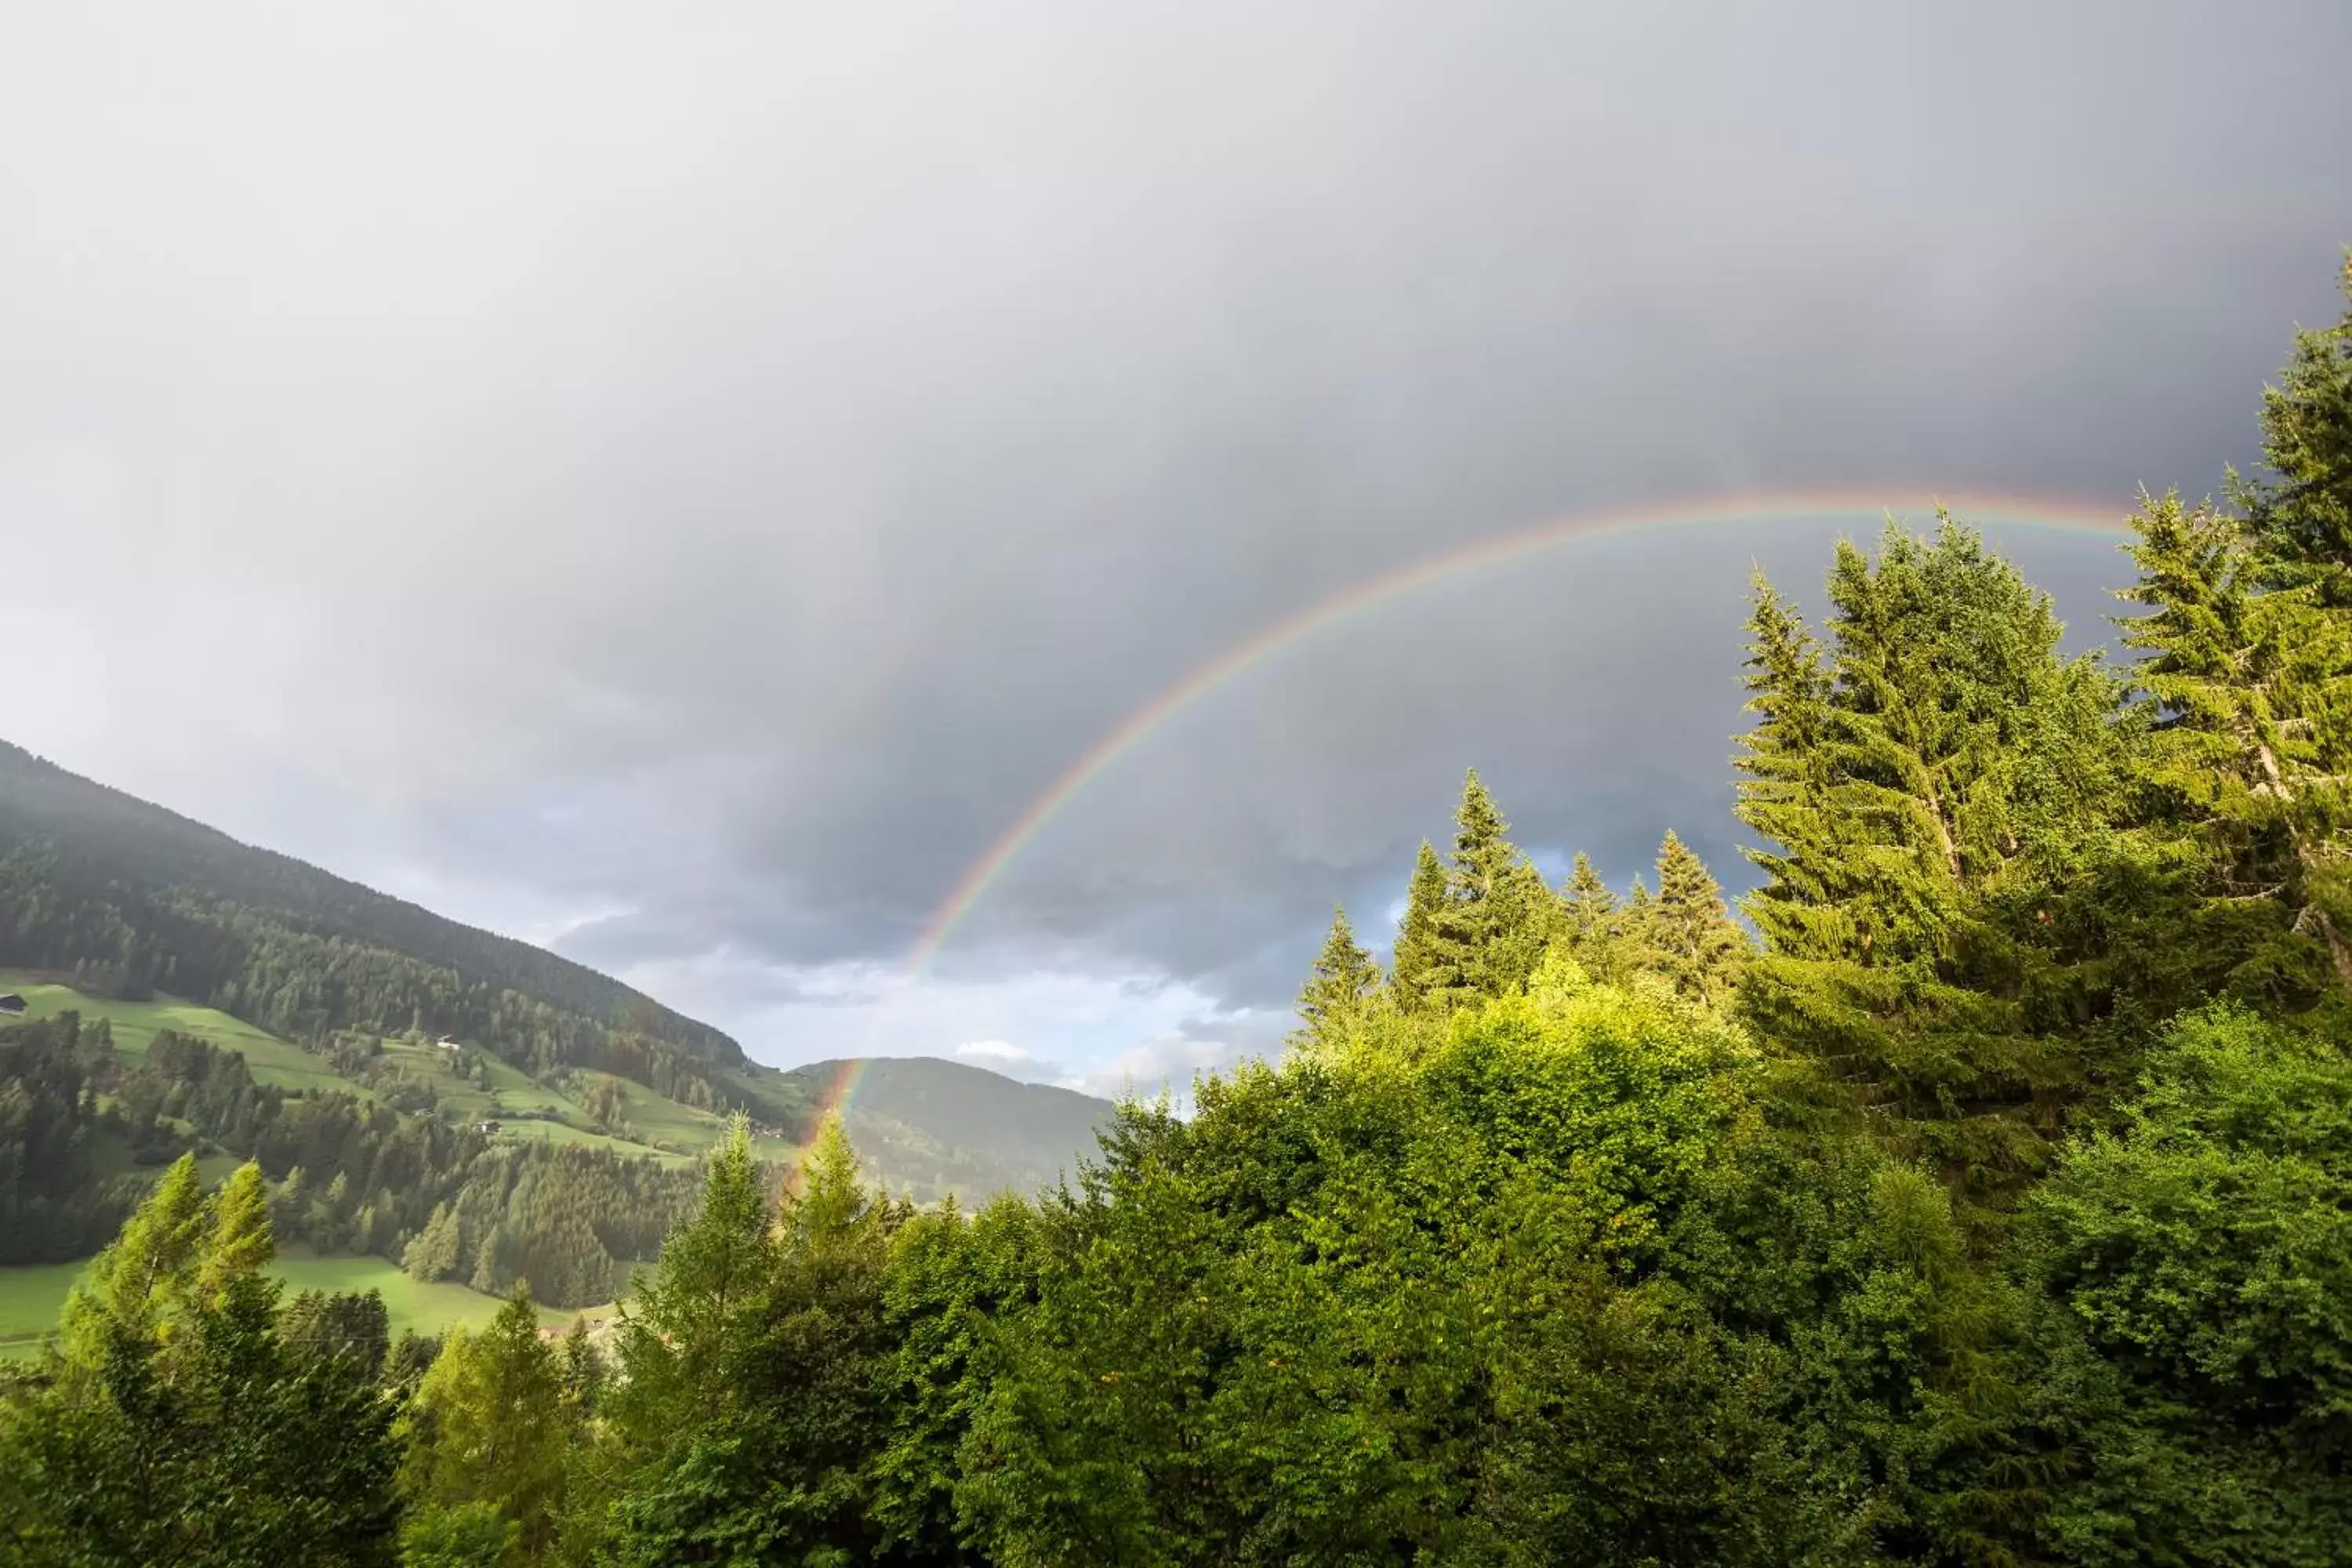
(1414, 965)
(831, 1202)
(1929, 788)
(2252, 744)
(2301, 522)
(683, 1336)
(1589, 912)
(1345, 979)
(1692, 938)
(432, 1253)
(1491, 928)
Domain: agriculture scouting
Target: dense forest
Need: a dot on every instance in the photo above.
(1986, 1198)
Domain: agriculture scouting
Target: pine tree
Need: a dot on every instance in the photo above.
(1589, 913)
(1940, 774)
(148, 1272)
(240, 1243)
(1785, 794)
(1414, 967)
(432, 1253)
(1491, 928)
(831, 1202)
(785, 1463)
(1345, 979)
(2250, 746)
(485, 1278)
(582, 1369)
(688, 1325)
(490, 1425)
(1690, 934)
(2301, 522)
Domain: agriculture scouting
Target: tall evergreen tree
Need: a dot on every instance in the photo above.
(2301, 522)
(782, 1471)
(179, 1427)
(240, 1241)
(1945, 768)
(2253, 742)
(490, 1425)
(139, 1282)
(1491, 928)
(1690, 936)
(1415, 967)
(1345, 979)
(1589, 914)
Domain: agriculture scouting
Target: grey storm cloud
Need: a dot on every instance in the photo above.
(686, 481)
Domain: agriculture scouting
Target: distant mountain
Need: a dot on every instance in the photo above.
(130, 898)
(932, 1126)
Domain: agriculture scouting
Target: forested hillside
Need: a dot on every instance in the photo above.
(130, 900)
(443, 1160)
(455, 1103)
(1990, 1204)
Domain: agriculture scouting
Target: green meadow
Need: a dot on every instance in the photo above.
(136, 1024)
(657, 1127)
(31, 1297)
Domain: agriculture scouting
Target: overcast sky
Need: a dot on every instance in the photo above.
(675, 483)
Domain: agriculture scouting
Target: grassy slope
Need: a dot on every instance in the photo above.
(136, 1024)
(652, 1119)
(32, 1297)
(1008, 1134)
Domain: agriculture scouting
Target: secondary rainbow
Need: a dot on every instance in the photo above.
(2053, 515)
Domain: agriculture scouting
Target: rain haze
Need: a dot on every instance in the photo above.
(682, 485)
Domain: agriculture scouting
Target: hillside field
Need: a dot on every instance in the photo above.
(136, 1024)
(31, 1298)
(658, 1128)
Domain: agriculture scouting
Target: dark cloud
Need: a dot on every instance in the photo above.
(681, 487)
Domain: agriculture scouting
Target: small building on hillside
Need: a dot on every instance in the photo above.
(488, 1128)
(11, 1006)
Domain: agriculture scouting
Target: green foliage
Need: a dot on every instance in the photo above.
(2251, 747)
(1345, 980)
(466, 1535)
(490, 1425)
(1468, 1296)
(1416, 965)
(1491, 928)
(347, 1325)
(178, 1426)
(1589, 919)
(1997, 1211)
(1686, 935)
(1931, 781)
(2301, 521)
(772, 1459)
(2196, 1264)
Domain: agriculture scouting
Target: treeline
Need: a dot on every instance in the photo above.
(1992, 1207)
(127, 899)
(348, 1176)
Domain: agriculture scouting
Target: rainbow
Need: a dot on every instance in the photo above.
(2050, 515)
(841, 1081)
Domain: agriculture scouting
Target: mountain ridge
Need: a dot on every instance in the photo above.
(119, 898)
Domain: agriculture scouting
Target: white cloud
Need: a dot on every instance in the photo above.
(1170, 1063)
(1002, 1055)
